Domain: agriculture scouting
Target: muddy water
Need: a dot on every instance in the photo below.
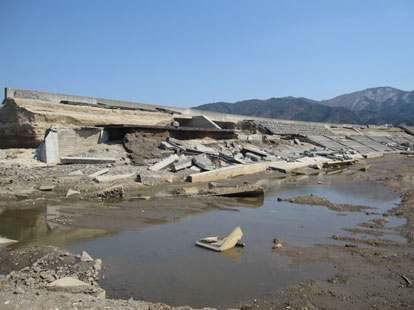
(161, 263)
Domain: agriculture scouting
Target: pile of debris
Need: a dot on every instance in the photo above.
(60, 270)
(199, 157)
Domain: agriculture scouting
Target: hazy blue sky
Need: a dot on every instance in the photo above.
(197, 51)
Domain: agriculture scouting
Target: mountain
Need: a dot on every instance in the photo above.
(381, 105)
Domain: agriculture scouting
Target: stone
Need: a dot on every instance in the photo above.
(164, 163)
(67, 282)
(85, 257)
(72, 192)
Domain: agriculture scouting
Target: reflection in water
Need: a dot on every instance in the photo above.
(24, 224)
(36, 226)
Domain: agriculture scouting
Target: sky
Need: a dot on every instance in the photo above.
(190, 52)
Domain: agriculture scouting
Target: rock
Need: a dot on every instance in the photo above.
(72, 192)
(67, 283)
(85, 257)
(98, 265)
(277, 244)
(46, 276)
(75, 286)
(364, 168)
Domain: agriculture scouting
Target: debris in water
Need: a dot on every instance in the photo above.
(222, 244)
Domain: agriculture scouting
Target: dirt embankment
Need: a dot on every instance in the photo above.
(312, 200)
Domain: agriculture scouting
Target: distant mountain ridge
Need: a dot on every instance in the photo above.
(380, 105)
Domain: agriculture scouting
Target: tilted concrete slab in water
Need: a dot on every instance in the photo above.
(224, 244)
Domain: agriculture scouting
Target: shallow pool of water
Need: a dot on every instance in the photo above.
(162, 264)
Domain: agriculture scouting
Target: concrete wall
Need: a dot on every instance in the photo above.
(66, 142)
(77, 140)
(54, 97)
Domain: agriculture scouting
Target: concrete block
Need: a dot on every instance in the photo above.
(182, 164)
(51, 148)
(111, 178)
(98, 173)
(164, 163)
(152, 179)
(253, 156)
(203, 162)
(72, 192)
(228, 172)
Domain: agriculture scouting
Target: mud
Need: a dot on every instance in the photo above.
(144, 146)
(312, 200)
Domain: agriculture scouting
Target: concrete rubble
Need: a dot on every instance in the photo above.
(221, 244)
(145, 145)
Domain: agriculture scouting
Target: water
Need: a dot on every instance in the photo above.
(162, 264)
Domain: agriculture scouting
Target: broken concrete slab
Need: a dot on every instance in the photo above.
(203, 162)
(202, 149)
(164, 163)
(200, 121)
(154, 179)
(46, 188)
(253, 156)
(182, 164)
(253, 149)
(85, 257)
(221, 244)
(87, 160)
(98, 173)
(167, 146)
(71, 193)
(228, 172)
(237, 191)
(195, 169)
(111, 178)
